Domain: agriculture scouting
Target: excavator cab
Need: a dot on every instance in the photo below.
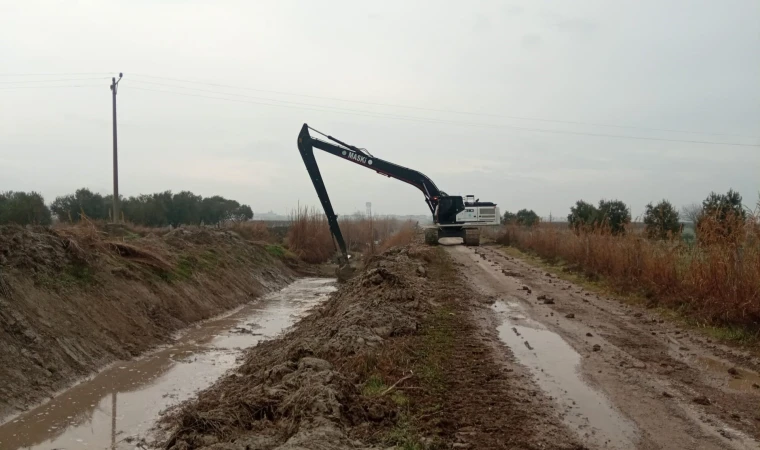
(448, 208)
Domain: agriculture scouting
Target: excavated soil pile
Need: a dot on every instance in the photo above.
(393, 358)
(73, 299)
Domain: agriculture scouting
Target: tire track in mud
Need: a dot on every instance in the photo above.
(650, 371)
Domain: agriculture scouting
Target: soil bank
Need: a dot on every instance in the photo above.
(74, 299)
(115, 408)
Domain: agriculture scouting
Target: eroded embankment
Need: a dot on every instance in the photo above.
(75, 299)
(394, 358)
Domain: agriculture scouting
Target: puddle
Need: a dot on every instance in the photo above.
(555, 366)
(741, 380)
(117, 406)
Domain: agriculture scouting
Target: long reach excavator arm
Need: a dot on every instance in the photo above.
(450, 213)
(306, 145)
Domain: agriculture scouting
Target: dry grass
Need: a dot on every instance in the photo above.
(405, 234)
(310, 239)
(309, 236)
(717, 280)
(252, 231)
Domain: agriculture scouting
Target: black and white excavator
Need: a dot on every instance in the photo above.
(453, 216)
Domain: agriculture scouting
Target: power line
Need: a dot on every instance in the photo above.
(431, 120)
(62, 74)
(445, 110)
(46, 87)
(311, 105)
(51, 81)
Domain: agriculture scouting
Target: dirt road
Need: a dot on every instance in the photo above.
(617, 375)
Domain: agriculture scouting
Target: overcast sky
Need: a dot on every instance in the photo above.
(485, 66)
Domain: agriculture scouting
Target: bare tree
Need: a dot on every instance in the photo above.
(692, 212)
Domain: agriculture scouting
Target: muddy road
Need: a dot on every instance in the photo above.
(116, 408)
(617, 375)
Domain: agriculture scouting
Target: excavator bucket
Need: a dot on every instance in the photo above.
(344, 272)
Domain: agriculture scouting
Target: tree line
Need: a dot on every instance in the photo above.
(720, 212)
(159, 209)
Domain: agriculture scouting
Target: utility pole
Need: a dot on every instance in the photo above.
(116, 206)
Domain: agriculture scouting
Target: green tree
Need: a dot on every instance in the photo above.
(242, 213)
(508, 217)
(723, 212)
(23, 208)
(582, 215)
(722, 206)
(186, 208)
(527, 217)
(70, 207)
(155, 210)
(615, 215)
(661, 220)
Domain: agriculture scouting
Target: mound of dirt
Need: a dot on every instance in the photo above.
(393, 358)
(287, 395)
(73, 299)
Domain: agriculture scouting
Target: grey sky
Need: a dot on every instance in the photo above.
(683, 65)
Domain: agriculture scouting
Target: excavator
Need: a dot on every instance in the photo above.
(453, 216)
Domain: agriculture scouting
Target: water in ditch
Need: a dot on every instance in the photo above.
(115, 408)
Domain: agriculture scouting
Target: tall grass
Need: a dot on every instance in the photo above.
(253, 231)
(309, 236)
(717, 279)
(310, 239)
(405, 234)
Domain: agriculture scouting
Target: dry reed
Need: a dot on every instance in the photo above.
(717, 279)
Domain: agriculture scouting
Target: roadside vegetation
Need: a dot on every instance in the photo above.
(713, 277)
(153, 210)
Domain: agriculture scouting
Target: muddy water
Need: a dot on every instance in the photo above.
(740, 379)
(115, 408)
(555, 366)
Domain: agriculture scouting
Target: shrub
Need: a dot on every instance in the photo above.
(661, 220)
(615, 215)
(526, 217)
(722, 217)
(582, 216)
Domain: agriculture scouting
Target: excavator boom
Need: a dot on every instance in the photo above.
(452, 215)
(306, 145)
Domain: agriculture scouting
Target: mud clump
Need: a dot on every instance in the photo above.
(545, 299)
